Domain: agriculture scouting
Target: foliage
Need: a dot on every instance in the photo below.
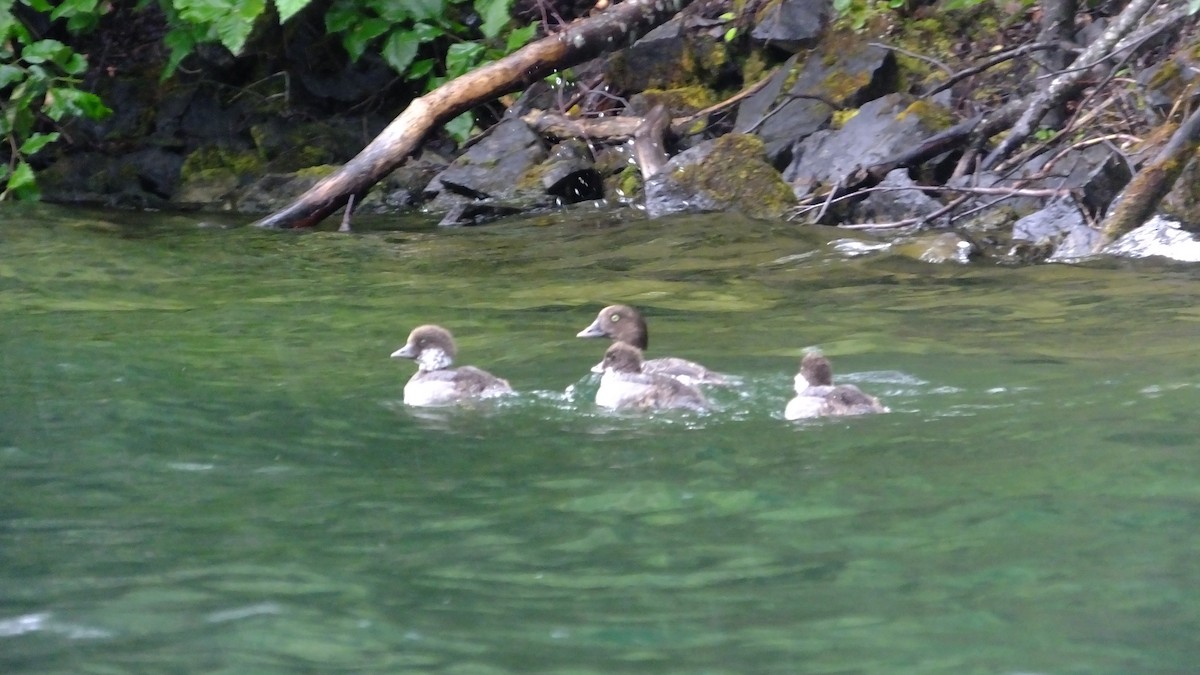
(396, 29)
(858, 13)
(39, 81)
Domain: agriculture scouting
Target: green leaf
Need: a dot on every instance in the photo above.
(423, 10)
(460, 127)
(419, 69)
(45, 50)
(495, 15)
(357, 39)
(10, 74)
(288, 8)
(400, 49)
(76, 65)
(36, 142)
(181, 41)
(39, 5)
(461, 57)
(22, 184)
(426, 33)
(341, 17)
(519, 37)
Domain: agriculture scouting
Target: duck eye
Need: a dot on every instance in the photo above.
(615, 318)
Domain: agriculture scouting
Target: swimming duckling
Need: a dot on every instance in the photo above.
(816, 395)
(626, 385)
(435, 382)
(625, 324)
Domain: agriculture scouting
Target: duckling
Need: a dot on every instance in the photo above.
(817, 396)
(435, 382)
(626, 385)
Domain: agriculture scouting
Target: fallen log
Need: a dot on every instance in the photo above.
(1153, 181)
(581, 40)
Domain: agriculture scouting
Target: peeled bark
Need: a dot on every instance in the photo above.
(580, 41)
(1141, 197)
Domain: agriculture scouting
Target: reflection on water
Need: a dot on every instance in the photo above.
(207, 467)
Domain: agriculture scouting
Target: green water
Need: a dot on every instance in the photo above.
(207, 469)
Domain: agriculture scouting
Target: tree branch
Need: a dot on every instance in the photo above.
(580, 41)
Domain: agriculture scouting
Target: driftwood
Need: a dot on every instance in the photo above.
(649, 146)
(1140, 198)
(578, 42)
(1069, 82)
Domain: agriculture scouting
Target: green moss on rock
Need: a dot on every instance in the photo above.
(742, 179)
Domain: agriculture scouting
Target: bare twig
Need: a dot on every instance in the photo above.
(915, 55)
(1065, 84)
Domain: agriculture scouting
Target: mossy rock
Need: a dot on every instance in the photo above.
(730, 173)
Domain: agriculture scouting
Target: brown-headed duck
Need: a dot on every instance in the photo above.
(623, 323)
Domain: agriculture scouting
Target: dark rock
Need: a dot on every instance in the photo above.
(668, 57)
(841, 73)
(92, 177)
(792, 25)
(729, 173)
(157, 170)
(1098, 172)
(570, 174)
(496, 166)
(899, 200)
(880, 130)
(404, 188)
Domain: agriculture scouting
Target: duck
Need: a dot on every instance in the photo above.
(437, 384)
(625, 384)
(623, 323)
(817, 396)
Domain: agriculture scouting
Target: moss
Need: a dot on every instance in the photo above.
(318, 171)
(682, 99)
(840, 117)
(1167, 74)
(754, 68)
(742, 178)
(933, 116)
(842, 86)
(244, 163)
(628, 183)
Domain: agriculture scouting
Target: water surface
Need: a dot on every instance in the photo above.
(207, 467)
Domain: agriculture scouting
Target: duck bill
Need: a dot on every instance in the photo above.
(405, 352)
(598, 368)
(592, 331)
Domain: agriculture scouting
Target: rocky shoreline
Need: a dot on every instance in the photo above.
(793, 115)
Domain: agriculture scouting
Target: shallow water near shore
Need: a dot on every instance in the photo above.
(207, 466)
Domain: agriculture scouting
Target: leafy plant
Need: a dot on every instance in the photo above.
(396, 30)
(40, 78)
